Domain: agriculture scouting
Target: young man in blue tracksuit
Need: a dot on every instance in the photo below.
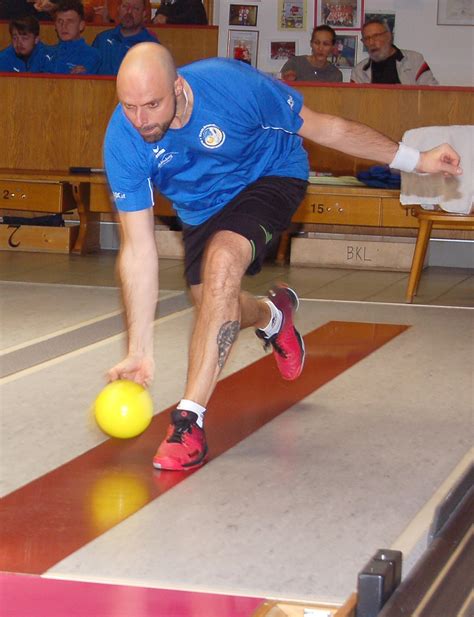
(27, 53)
(113, 44)
(72, 55)
(224, 143)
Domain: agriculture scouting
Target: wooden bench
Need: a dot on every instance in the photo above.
(62, 192)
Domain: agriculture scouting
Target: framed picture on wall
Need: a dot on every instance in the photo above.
(292, 14)
(339, 14)
(243, 15)
(282, 50)
(455, 13)
(243, 45)
(345, 50)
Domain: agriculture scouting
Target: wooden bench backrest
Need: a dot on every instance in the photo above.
(58, 122)
(392, 110)
(54, 122)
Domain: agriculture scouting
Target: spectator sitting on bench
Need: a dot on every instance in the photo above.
(386, 63)
(181, 12)
(26, 54)
(72, 54)
(105, 12)
(315, 67)
(113, 44)
(17, 9)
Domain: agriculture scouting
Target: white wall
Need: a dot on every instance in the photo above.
(449, 50)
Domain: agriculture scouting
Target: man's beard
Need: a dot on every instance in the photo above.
(23, 57)
(128, 23)
(155, 132)
(380, 55)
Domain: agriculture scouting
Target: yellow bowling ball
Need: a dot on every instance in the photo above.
(123, 409)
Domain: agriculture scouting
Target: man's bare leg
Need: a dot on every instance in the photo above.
(218, 317)
(221, 311)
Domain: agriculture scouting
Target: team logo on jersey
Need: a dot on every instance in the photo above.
(162, 156)
(291, 101)
(211, 136)
(166, 159)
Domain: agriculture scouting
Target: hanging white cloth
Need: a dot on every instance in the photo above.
(452, 194)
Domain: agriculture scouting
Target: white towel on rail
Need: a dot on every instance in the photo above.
(453, 194)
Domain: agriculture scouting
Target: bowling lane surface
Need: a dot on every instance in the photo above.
(295, 509)
(44, 321)
(30, 311)
(47, 409)
(126, 478)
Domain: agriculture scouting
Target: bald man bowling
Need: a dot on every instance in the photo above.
(223, 142)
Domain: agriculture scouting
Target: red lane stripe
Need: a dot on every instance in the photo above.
(51, 517)
(25, 596)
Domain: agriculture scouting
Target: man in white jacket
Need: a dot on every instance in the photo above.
(386, 63)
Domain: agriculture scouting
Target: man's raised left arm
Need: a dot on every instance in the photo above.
(360, 140)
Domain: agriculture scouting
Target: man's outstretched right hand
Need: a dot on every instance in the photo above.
(135, 367)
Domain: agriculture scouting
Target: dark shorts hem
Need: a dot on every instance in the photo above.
(260, 213)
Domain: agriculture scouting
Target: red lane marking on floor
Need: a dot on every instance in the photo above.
(46, 520)
(25, 595)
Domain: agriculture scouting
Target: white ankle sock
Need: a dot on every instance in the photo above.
(273, 326)
(199, 410)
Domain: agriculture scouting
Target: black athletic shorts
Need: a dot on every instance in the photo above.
(260, 213)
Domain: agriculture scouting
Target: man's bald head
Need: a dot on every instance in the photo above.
(145, 64)
(147, 88)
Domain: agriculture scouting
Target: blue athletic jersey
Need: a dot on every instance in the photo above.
(113, 46)
(11, 63)
(66, 55)
(243, 127)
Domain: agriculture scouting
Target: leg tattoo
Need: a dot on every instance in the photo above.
(225, 337)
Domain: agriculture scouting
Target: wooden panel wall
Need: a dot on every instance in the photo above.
(58, 122)
(391, 110)
(186, 43)
(54, 122)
